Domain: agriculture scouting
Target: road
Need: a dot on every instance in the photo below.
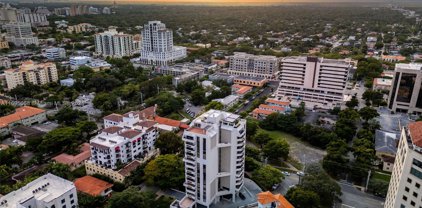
(358, 91)
(354, 198)
(288, 181)
(272, 88)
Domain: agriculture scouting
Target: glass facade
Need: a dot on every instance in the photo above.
(419, 101)
(407, 83)
(393, 94)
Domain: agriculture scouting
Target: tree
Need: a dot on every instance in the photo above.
(6, 109)
(354, 102)
(251, 164)
(60, 139)
(266, 176)
(88, 201)
(316, 180)
(335, 161)
(261, 138)
(378, 187)
(105, 101)
(83, 72)
(86, 127)
(70, 117)
(167, 103)
(198, 97)
(368, 113)
(372, 97)
(165, 171)
(60, 170)
(132, 198)
(252, 126)
(301, 198)
(253, 153)
(169, 143)
(276, 148)
(214, 105)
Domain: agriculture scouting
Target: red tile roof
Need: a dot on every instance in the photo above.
(112, 129)
(114, 117)
(268, 197)
(91, 185)
(146, 124)
(127, 170)
(262, 111)
(168, 122)
(21, 113)
(415, 130)
(272, 107)
(197, 130)
(278, 102)
(74, 159)
(130, 133)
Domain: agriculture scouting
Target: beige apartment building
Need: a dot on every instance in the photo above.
(406, 91)
(314, 80)
(243, 64)
(37, 74)
(406, 180)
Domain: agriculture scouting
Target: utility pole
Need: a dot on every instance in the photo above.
(367, 180)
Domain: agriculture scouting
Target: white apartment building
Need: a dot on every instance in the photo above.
(312, 79)
(125, 138)
(214, 158)
(46, 191)
(55, 53)
(406, 91)
(35, 19)
(114, 44)
(243, 64)
(5, 62)
(37, 74)
(82, 27)
(157, 45)
(406, 179)
(20, 34)
(76, 61)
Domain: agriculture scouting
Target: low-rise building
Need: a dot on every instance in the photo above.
(4, 44)
(385, 143)
(271, 106)
(46, 191)
(76, 61)
(74, 161)
(93, 186)
(382, 84)
(26, 115)
(228, 101)
(22, 134)
(82, 27)
(55, 53)
(241, 90)
(270, 200)
(37, 74)
(250, 81)
(69, 82)
(387, 163)
(5, 62)
(98, 65)
(393, 58)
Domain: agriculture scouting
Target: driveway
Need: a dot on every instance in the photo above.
(354, 198)
(288, 182)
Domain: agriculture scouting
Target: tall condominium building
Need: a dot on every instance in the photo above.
(157, 45)
(125, 138)
(313, 79)
(406, 91)
(244, 64)
(37, 74)
(20, 34)
(35, 19)
(214, 158)
(8, 14)
(406, 180)
(114, 44)
(46, 191)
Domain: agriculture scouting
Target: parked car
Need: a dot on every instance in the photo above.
(300, 173)
(285, 173)
(275, 186)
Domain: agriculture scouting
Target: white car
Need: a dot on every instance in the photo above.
(300, 173)
(285, 173)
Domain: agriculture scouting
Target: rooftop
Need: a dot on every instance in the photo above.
(382, 81)
(91, 185)
(114, 117)
(112, 129)
(45, 188)
(256, 57)
(250, 78)
(267, 198)
(411, 66)
(74, 159)
(227, 100)
(262, 111)
(167, 121)
(126, 171)
(21, 113)
(415, 130)
(386, 142)
(277, 102)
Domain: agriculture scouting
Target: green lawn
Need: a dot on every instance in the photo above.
(381, 176)
(279, 134)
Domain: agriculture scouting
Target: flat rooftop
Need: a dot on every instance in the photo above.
(45, 188)
(250, 78)
(411, 66)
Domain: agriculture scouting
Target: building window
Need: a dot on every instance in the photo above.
(72, 201)
(64, 206)
(71, 196)
(404, 198)
(416, 173)
(417, 185)
(412, 203)
(406, 189)
(407, 83)
(63, 201)
(409, 180)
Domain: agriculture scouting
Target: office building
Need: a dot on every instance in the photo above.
(65, 11)
(313, 80)
(157, 45)
(406, 179)
(76, 61)
(20, 34)
(5, 62)
(214, 158)
(46, 191)
(114, 44)
(243, 64)
(406, 91)
(8, 14)
(55, 53)
(37, 74)
(42, 10)
(25, 115)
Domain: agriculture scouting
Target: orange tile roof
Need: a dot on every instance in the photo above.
(278, 102)
(243, 89)
(272, 107)
(21, 113)
(112, 129)
(74, 159)
(262, 111)
(267, 197)
(168, 122)
(415, 130)
(114, 117)
(130, 133)
(91, 185)
(127, 170)
(392, 57)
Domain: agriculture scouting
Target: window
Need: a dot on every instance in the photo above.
(405, 198)
(72, 201)
(71, 196)
(412, 203)
(416, 173)
(415, 194)
(402, 206)
(417, 163)
(63, 201)
(64, 206)
(409, 180)
(417, 185)
(407, 83)
(406, 189)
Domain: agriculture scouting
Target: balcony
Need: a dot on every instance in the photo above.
(223, 174)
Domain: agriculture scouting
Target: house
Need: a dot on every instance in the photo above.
(166, 124)
(24, 133)
(74, 161)
(385, 143)
(393, 58)
(271, 106)
(269, 200)
(241, 90)
(93, 186)
(228, 101)
(382, 84)
(387, 163)
(26, 115)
